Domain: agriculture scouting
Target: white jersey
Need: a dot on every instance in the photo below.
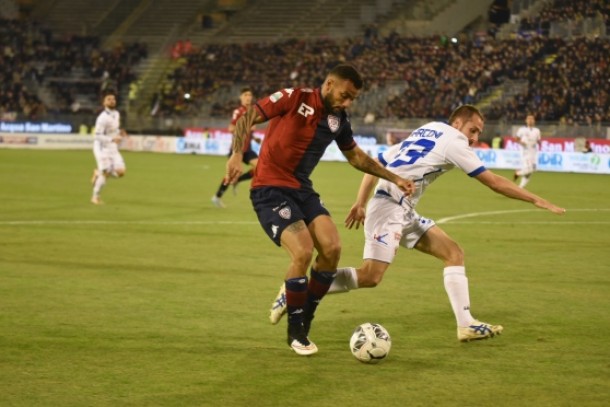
(106, 152)
(529, 137)
(426, 154)
(107, 126)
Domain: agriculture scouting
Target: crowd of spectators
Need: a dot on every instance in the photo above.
(438, 75)
(572, 83)
(563, 11)
(32, 56)
(566, 79)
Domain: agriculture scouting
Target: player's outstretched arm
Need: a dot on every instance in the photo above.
(360, 160)
(503, 186)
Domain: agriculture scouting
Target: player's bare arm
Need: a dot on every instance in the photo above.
(360, 160)
(242, 128)
(356, 214)
(503, 186)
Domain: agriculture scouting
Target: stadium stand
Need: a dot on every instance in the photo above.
(178, 61)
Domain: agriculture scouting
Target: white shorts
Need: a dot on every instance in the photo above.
(108, 159)
(389, 225)
(528, 164)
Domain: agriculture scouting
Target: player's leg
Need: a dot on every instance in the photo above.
(384, 226)
(527, 173)
(296, 240)
(118, 169)
(438, 244)
(99, 180)
(328, 246)
(222, 188)
(282, 220)
(217, 197)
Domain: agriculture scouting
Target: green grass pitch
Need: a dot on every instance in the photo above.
(159, 299)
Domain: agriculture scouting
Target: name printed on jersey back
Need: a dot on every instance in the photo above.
(426, 133)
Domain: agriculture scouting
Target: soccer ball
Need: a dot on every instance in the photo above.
(370, 343)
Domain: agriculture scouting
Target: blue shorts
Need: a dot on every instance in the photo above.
(277, 208)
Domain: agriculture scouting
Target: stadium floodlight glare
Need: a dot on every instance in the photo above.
(187, 95)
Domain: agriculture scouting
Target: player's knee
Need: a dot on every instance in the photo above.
(455, 255)
(370, 276)
(370, 280)
(331, 252)
(302, 257)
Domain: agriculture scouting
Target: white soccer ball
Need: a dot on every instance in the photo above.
(370, 343)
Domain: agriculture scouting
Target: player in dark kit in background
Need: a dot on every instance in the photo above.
(249, 157)
(303, 122)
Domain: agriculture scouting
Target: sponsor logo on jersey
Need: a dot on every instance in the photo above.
(285, 212)
(276, 96)
(333, 123)
(305, 110)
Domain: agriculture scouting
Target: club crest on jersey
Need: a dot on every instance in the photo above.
(333, 123)
(285, 212)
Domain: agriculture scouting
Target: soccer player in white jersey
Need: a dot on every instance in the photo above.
(529, 138)
(391, 220)
(108, 134)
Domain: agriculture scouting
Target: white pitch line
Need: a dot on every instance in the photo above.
(477, 214)
(453, 219)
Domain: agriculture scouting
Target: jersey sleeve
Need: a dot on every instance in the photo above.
(345, 139)
(462, 156)
(278, 103)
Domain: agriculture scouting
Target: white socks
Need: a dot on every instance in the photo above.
(346, 279)
(524, 180)
(99, 184)
(456, 285)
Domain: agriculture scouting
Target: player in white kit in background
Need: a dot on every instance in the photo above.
(108, 134)
(391, 220)
(529, 138)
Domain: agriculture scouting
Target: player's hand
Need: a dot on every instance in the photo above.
(406, 185)
(544, 204)
(234, 169)
(122, 133)
(116, 139)
(355, 217)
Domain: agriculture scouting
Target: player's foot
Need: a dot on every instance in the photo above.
(299, 342)
(94, 176)
(96, 200)
(278, 307)
(218, 202)
(515, 176)
(478, 330)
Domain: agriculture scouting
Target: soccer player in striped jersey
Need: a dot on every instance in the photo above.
(249, 156)
(108, 135)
